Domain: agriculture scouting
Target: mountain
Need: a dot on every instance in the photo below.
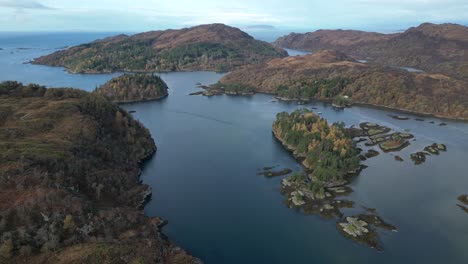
(133, 88)
(341, 40)
(215, 47)
(327, 74)
(430, 47)
(69, 181)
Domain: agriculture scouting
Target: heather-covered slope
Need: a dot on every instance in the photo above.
(327, 74)
(214, 47)
(430, 47)
(342, 40)
(69, 187)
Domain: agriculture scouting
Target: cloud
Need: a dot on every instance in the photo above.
(23, 4)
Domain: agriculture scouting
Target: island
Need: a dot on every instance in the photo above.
(212, 47)
(434, 48)
(69, 181)
(464, 200)
(327, 152)
(327, 74)
(130, 88)
(330, 159)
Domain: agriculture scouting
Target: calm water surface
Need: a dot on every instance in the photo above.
(209, 149)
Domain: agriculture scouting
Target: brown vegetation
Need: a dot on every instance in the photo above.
(133, 88)
(215, 47)
(69, 183)
(326, 74)
(430, 47)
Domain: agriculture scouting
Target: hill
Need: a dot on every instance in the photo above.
(341, 40)
(215, 47)
(69, 187)
(430, 47)
(133, 88)
(327, 74)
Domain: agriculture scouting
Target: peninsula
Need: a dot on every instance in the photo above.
(326, 74)
(69, 187)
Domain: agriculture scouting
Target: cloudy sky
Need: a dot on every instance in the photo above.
(299, 15)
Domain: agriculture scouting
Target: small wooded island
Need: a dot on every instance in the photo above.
(326, 151)
(129, 88)
(330, 159)
(213, 47)
(69, 181)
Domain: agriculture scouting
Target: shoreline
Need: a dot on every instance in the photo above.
(68, 70)
(141, 101)
(380, 107)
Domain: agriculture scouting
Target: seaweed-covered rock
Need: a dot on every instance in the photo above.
(371, 153)
(267, 172)
(418, 157)
(398, 117)
(463, 198)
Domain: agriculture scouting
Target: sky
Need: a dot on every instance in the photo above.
(250, 15)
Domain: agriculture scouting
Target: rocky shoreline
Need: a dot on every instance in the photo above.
(329, 203)
(209, 91)
(464, 200)
(143, 101)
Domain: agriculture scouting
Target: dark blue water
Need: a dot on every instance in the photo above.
(209, 149)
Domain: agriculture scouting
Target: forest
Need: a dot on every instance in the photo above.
(133, 88)
(329, 75)
(208, 47)
(328, 150)
(69, 166)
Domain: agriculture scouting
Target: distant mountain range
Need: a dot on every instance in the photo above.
(214, 47)
(433, 48)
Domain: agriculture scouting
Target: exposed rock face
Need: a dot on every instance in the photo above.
(134, 88)
(430, 47)
(354, 227)
(207, 47)
(326, 74)
(69, 187)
